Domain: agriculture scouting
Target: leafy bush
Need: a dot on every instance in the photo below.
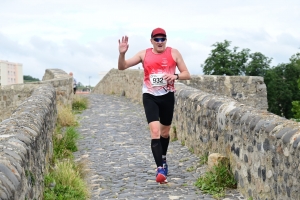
(215, 181)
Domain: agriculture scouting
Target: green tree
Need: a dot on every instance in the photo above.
(281, 80)
(79, 84)
(278, 94)
(28, 78)
(222, 60)
(292, 75)
(296, 106)
(295, 61)
(258, 65)
(282, 87)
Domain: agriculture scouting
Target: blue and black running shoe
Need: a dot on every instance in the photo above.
(165, 166)
(161, 176)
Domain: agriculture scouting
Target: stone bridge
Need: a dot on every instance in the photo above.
(213, 114)
(228, 115)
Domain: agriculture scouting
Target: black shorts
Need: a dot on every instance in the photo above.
(159, 108)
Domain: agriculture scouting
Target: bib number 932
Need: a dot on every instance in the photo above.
(157, 80)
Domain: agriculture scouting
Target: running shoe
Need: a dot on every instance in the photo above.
(161, 175)
(165, 166)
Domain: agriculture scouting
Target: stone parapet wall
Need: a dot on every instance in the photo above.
(263, 148)
(26, 145)
(63, 84)
(12, 96)
(127, 83)
(55, 74)
(249, 90)
(29, 116)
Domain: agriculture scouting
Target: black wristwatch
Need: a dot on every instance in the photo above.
(177, 76)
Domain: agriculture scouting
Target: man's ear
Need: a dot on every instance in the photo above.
(151, 40)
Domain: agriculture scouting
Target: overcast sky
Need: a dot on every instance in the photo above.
(82, 36)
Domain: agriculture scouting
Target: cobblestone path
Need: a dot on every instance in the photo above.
(116, 144)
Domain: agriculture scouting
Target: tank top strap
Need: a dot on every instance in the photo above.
(168, 50)
(148, 50)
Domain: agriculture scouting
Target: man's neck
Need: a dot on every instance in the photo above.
(155, 52)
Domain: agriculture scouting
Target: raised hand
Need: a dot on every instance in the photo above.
(123, 45)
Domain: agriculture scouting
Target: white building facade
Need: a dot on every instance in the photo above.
(10, 73)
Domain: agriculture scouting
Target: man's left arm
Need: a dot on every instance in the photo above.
(184, 72)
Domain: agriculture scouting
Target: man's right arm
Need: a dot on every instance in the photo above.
(124, 64)
(123, 47)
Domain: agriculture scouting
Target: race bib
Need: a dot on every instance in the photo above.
(157, 80)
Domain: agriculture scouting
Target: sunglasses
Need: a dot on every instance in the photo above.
(159, 39)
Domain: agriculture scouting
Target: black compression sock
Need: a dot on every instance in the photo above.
(157, 151)
(164, 144)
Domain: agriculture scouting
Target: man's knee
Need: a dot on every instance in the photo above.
(154, 129)
(165, 131)
(155, 133)
(165, 135)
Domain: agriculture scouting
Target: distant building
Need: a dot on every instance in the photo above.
(10, 73)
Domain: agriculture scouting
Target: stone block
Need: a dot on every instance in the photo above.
(215, 158)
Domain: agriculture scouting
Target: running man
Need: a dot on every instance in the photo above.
(159, 65)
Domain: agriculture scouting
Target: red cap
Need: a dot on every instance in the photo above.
(158, 31)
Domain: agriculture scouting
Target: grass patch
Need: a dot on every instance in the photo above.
(190, 169)
(217, 180)
(65, 143)
(182, 142)
(65, 182)
(204, 159)
(65, 116)
(183, 159)
(65, 179)
(174, 129)
(175, 134)
(79, 103)
(191, 150)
